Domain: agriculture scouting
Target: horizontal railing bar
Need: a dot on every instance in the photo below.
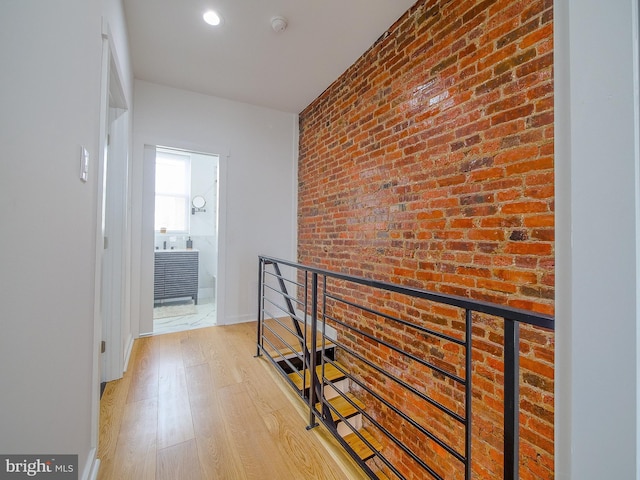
(298, 355)
(286, 360)
(351, 427)
(285, 295)
(387, 433)
(292, 350)
(388, 463)
(379, 455)
(333, 430)
(284, 278)
(273, 316)
(406, 417)
(413, 357)
(428, 331)
(285, 311)
(412, 389)
(280, 369)
(515, 314)
(280, 355)
(277, 320)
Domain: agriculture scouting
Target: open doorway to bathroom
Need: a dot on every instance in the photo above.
(185, 240)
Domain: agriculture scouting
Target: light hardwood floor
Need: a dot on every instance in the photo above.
(198, 405)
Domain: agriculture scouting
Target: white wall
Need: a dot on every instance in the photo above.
(203, 226)
(597, 239)
(50, 86)
(258, 156)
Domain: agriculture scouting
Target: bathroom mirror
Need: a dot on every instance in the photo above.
(198, 201)
(198, 204)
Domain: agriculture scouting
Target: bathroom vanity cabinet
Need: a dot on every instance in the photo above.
(176, 274)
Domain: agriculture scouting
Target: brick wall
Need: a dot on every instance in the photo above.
(429, 163)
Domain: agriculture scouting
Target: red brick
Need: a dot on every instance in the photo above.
(544, 163)
(525, 207)
(497, 286)
(521, 248)
(517, 276)
(540, 221)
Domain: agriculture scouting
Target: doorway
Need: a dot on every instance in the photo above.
(185, 240)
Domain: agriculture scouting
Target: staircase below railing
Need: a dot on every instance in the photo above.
(335, 340)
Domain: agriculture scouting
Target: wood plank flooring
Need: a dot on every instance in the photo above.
(197, 405)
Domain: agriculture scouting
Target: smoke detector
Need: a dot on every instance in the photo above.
(279, 24)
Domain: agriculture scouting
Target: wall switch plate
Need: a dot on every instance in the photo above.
(84, 164)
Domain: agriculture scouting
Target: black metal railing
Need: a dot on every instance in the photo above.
(417, 391)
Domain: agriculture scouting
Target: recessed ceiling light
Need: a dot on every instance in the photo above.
(211, 17)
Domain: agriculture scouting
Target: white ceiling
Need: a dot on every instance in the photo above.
(244, 59)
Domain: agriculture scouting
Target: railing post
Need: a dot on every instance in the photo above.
(260, 313)
(312, 351)
(511, 399)
(468, 397)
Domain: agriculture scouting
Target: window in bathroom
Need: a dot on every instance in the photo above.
(173, 180)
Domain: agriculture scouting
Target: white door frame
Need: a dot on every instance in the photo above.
(115, 232)
(112, 199)
(147, 228)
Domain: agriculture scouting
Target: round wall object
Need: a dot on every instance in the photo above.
(279, 24)
(199, 201)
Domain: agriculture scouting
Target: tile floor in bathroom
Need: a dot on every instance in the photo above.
(204, 315)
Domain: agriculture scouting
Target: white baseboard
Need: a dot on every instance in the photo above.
(240, 319)
(127, 354)
(92, 466)
(204, 293)
(93, 474)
